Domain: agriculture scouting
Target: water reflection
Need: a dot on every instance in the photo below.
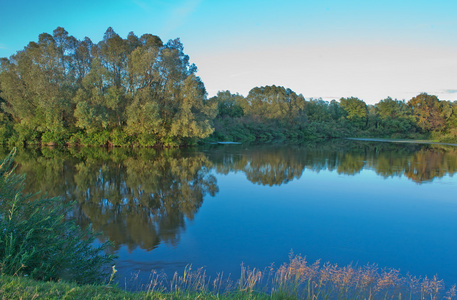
(277, 164)
(143, 197)
(136, 198)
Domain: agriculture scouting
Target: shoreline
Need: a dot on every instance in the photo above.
(400, 141)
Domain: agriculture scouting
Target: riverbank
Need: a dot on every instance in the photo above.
(404, 141)
(13, 287)
(297, 279)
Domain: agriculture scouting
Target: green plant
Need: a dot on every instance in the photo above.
(37, 240)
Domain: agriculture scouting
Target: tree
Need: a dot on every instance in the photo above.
(389, 108)
(317, 110)
(335, 110)
(135, 86)
(38, 83)
(181, 97)
(356, 111)
(272, 102)
(228, 104)
(429, 112)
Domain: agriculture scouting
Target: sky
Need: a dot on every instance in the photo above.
(318, 48)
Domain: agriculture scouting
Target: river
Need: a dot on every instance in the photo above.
(220, 206)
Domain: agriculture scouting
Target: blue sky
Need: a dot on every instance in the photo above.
(319, 48)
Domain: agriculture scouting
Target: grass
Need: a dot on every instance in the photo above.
(296, 279)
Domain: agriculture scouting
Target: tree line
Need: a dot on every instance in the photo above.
(136, 90)
(139, 91)
(274, 112)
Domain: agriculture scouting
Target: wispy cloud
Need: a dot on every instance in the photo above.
(180, 14)
(450, 91)
(3, 47)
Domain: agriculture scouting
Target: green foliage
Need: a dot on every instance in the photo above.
(228, 104)
(356, 111)
(272, 102)
(24, 134)
(120, 92)
(389, 108)
(37, 240)
(430, 114)
(129, 87)
(55, 137)
(317, 110)
(118, 138)
(6, 128)
(96, 139)
(75, 139)
(146, 140)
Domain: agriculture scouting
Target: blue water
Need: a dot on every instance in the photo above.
(394, 206)
(345, 219)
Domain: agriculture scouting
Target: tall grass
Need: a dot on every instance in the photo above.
(37, 240)
(299, 279)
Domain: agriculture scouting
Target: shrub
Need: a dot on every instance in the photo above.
(24, 134)
(118, 138)
(36, 240)
(75, 139)
(54, 137)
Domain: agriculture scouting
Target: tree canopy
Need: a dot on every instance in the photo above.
(140, 91)
(135, 89)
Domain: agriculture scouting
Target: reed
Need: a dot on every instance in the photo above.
(299, 279)
(296, 279)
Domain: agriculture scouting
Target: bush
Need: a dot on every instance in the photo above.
(146, 140)
(75, 139)
(24, 134)
(6, 131)
(54, 137)
(118, 138)
(36, 240)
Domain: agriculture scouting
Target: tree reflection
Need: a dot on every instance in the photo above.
(142, 197)
(137, 199)
(276, 165)
(427, 164)
(267, 165)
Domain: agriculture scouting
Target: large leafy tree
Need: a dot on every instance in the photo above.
(39, 82)
(393, 116)
(356, 111)
(335, 110)
(275, 102)
(317, 110)
(430, 113)
(101, 101)
(135, 86)
(390, 108)
(228, 104)
(181, 98)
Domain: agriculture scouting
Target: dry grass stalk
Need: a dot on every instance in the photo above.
(299, 279)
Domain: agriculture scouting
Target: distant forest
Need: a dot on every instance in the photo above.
(139, 91)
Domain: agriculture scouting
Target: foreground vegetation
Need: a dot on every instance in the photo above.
(36, 239)
(139, 91)
(294, 280)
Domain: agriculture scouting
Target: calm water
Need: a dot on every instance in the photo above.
(220, 206)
